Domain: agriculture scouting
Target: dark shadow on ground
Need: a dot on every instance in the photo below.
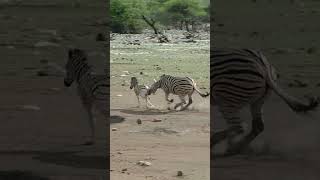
(145, 112)
(20, 175)
(116, 119)
(65, 158)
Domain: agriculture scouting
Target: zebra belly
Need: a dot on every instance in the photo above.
(143, 93)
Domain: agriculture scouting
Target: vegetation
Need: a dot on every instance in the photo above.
(131, 16)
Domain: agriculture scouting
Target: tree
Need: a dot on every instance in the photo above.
(126, 15)
(183, 12)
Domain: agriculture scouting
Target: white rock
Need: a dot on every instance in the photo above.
(144, 163)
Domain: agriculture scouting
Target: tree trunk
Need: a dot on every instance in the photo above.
(151, 23)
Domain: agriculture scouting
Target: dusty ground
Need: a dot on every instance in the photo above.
(42, 125)
(289, 36)
(180, 142)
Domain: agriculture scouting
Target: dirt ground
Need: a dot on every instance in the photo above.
(42, 123)
(180, 141)
(287, 33)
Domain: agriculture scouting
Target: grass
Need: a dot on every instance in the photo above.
(155, 59)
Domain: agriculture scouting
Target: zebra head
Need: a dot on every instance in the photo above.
(134, 82)
(74, 65)
(154, 87)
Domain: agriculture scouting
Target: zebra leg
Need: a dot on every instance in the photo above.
(189, 102)
(217, 137)
(169, 101)
(183, 101)
(257, 128)
(148, 101)
(138, 101)
(92, 122)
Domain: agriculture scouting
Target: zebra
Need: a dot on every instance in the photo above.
(240, 78)
(140, 90)
(92, 88)
(180, 86)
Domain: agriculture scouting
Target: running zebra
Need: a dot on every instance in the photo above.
(140, 90)
(239, 78)
(92, 89)
(180, 86)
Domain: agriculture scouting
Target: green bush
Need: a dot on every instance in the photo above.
(126, 16)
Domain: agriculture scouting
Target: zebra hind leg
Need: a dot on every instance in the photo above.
(218, 137)
(189, 103)
(257, 128)
(183, 101)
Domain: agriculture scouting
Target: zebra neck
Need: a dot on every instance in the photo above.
(84, 76)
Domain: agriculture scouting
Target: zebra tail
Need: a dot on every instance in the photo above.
(200, 93)
(294, 103)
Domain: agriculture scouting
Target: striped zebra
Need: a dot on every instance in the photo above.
(181, 86)
(140, 91)
(92, 89)
(240, 78)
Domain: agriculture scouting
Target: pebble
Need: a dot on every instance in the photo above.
(179, 173)
(144, 163)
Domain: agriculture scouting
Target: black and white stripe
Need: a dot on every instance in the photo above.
(93, 89)
(140, 91)
(239, 78)
(181, 86)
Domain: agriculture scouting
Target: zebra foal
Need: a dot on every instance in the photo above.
(181, 86)
(140, 91)
(93, 89)
(240, 78)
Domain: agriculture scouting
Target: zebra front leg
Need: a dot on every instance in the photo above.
(92, 122)
(148, 101)
(169, 101)
(138, 101)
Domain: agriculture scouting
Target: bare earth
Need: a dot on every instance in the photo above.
(180, 142)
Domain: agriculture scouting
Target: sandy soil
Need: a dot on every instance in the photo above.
(180, 142)
(42, 125)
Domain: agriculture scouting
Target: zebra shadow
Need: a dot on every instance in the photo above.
(146, 112)
(63, 158)
(116, 119)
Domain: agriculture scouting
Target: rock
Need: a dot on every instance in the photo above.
(29, 107)
(139, 121)
(144, 163)
(179, 173)
(156, 120)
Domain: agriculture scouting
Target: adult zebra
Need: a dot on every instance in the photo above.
(239, 78)
(181, 86)
(93, 89)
